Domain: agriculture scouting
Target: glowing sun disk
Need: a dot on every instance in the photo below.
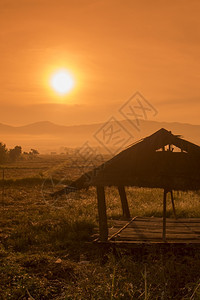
(62, 82)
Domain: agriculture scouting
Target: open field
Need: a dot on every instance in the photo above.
(44, 251)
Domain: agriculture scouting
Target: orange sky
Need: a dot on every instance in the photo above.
(114, 48)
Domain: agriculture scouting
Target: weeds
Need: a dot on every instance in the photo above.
(41, 244)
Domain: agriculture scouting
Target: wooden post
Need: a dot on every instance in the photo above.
(103, 226)
(124, 202)
(173, 206)
(164, 215)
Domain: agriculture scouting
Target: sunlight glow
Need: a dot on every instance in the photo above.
(62, 82)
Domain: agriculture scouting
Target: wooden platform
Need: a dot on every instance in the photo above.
(149, 230)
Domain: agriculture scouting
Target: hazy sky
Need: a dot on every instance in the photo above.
(113, 49)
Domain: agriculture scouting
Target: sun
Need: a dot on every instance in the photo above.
(62, 82)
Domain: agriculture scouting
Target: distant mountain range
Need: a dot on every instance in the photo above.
(47, 136)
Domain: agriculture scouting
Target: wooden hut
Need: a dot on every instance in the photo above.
(153, 162)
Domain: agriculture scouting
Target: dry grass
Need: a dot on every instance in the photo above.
(43, 252)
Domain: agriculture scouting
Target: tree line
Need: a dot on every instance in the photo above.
(14, 154)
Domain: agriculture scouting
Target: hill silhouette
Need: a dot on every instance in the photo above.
(47, 136)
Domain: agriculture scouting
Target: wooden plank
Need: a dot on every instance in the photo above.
(159, 220)
(138, 229)
(178, 241)
(183, 242)
(150, 230)
(160, 241)
(179, 228)
(112, 236)
(159, 225)
(159, 231)
(158, 235)
(150, 236)
(170, 229)
(103, 226)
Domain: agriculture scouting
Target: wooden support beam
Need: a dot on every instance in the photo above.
(173, 205)
(124, 202)
(164, 214)
(103, 226)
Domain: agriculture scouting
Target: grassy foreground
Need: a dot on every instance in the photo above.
(44, 255)
(44, 252)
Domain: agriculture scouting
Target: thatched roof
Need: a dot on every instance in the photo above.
(143, 165)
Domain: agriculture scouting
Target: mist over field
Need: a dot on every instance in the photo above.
(47, 136)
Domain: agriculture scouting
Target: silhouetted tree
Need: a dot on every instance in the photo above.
(3, 153)
(34, 152)
(15, 153)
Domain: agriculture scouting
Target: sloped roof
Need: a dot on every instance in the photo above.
(142, 165)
